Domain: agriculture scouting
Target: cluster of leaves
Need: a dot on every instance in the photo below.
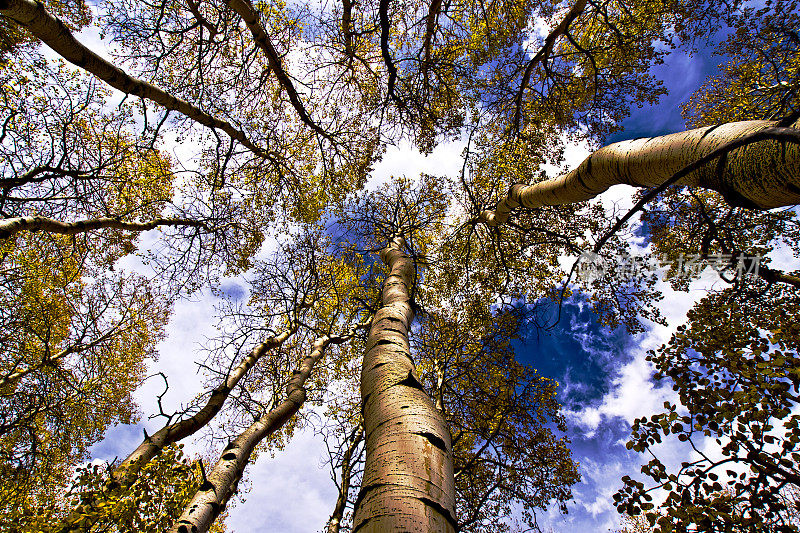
(759, 77)
(74, 352)
(152, 503)
(734, 364)
(503, 417)
(309, 95)
(734, 367)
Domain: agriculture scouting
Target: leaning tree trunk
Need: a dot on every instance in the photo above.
(753, 164)
(408, 480)
(222, 480)
(32, 15)
(88, 512)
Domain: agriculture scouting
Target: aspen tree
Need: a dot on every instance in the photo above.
(408, 479)
(346, 466)
(752, 164)
(318, 97)
(221, 482)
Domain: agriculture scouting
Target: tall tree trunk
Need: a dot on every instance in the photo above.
(335, 521)
(12, 226)
(223, 479)
(761, 174)
(408, 480)
(87, 513)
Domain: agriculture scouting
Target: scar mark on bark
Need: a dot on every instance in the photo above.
(436, 506)
(362, 524)
(229, 457)
(364, 403)
(434, 439)
(207, 486)
(734, 198)
(385, 341)
(379, 364)
(412, 382)
(708, 131)
(362, 493)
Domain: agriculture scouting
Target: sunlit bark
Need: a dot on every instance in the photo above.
(125, 474)
(223, 479)
(763, 174)
(10, 226)
(408, 480)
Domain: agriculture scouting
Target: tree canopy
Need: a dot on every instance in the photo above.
(152, 148)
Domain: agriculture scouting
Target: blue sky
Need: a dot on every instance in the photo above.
(594, 364)
(683, 74)
(586, 359)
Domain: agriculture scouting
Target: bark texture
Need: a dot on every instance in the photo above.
(223, 479)
(408, 482)
(32, 15)
(11, 226)
(762, 175)
(125, 474)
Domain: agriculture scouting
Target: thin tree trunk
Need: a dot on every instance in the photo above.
(125, 474)
(221, 482)
(408, 480)
(761, 174)
(251, 18)
(544, 54)
(347, 33)
(773, 275)
(11, 226)
(33, 16)
(335, 521)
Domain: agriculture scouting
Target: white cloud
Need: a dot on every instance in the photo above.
(402, 160)
(291, 492)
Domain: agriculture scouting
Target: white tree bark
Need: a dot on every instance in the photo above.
(408, 482)
(223, 479)
(763, 174)
(82, 518)
(11, 226)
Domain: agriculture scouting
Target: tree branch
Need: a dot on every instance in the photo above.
(543, 54)
(11, 226)
(262, 40)
(383, 12)
(33, 16)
